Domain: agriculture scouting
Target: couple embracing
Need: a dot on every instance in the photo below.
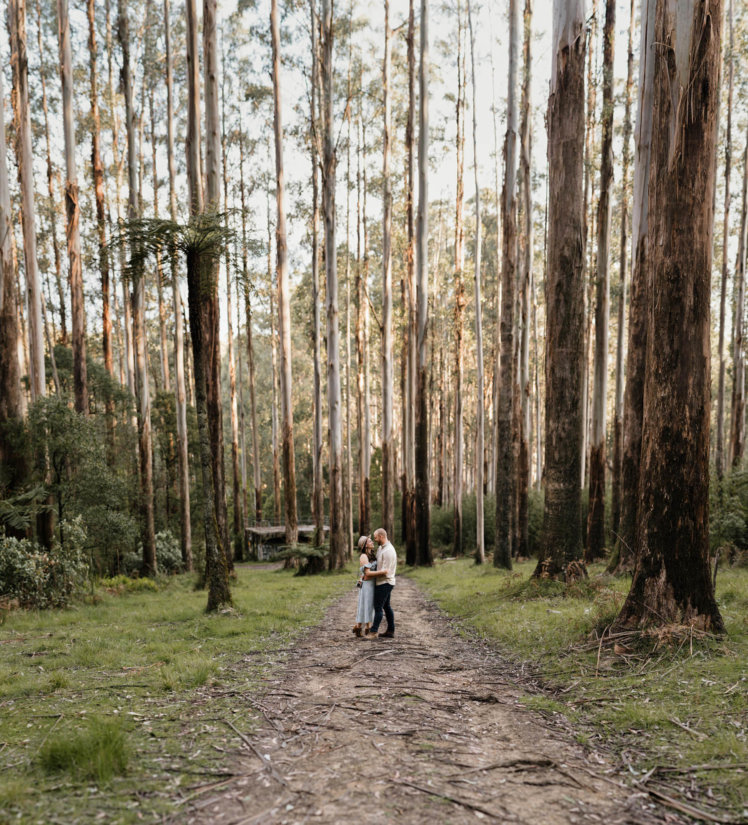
(376, 583)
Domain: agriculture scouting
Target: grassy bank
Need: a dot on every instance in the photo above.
(664, 707)
(109, 711)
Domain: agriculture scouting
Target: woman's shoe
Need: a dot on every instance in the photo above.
(357, 631)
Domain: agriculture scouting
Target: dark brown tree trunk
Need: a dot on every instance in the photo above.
(506, 484)
(672, 582)
(595, 548)
(564, 297)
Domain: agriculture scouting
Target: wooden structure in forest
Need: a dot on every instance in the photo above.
(265, 540)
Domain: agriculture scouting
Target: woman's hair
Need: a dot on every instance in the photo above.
(362, 543)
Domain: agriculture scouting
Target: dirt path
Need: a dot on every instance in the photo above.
(425, 728)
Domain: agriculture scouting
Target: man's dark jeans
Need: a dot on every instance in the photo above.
(382, 593)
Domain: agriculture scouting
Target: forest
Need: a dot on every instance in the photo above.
(275, 274)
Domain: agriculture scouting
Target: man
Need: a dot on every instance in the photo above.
(385, 583)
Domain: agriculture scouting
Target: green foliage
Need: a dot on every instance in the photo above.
(168, 556)
(126, 584)
(98, 752)
(728, 518)
(442, 523)
(40, 579)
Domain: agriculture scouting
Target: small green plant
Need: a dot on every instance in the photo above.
(97, 753)
(124, 584)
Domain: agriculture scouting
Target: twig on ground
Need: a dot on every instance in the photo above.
(261, 756)
(695, 733)
(463, 802)
(677, 805)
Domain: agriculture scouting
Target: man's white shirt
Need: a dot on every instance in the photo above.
(387, 560)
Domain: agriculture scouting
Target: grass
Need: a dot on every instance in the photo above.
(108, 710)
(672, 706)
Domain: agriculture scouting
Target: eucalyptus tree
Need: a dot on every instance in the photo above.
(633, 399)
(505, 472)
(623, 279)
(388, 445)
(11, 399)
(284, 301)
(422, 491)
(480, 552)
(737, 435)
(596, 516)
(183, 470)
(564, 294)
(672, 581)
(145, 439)
(329, 166)
(730, 61)
(24, 163)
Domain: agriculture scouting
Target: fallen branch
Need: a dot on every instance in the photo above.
(677, 805)
(463, 802)
(261, 756)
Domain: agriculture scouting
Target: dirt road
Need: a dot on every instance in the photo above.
(426, 728)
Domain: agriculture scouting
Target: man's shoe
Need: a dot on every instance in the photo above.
(386, 635)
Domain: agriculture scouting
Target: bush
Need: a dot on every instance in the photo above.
(168, 553)
(39, 579)
(124, 584)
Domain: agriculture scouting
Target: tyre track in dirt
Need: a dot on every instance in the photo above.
(428, 727)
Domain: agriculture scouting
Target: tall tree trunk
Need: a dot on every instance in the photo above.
(623, 273)
(183, 470)
(422, 492)
(525, 292)
(460, 299)
(203, 309)
(730, 58)
(737, 439)
(318, 499)
(145, 446)
(633, 399)
(24, 161)
(564, 294)
(596, 514)
(284, 298)
(238, 537)
(72, 209)
(211, 334)
(163, 352)
(364, 309)
(101, 221)
(480, 552)
(256, 467)
(12, 458)
(348, 488)
(274, 364)
(388, 446)
(411, 550)
(506, 481)
(50, 180)
(672, 581)
(329, 163)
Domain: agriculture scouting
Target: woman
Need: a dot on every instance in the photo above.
(366, 561)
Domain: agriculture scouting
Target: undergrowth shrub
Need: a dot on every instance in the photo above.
(125, 584)
(168, 556)
(37, 578)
